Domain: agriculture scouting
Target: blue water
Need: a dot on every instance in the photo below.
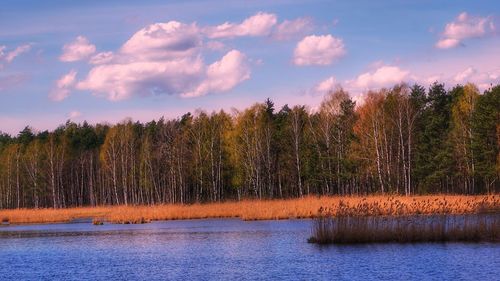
(227, 249)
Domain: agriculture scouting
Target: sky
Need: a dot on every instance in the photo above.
(104, 61)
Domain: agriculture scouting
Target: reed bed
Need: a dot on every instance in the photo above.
(407, 229)
(393, 221)
(307, 207)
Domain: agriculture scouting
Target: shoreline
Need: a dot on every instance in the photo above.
(298, 208)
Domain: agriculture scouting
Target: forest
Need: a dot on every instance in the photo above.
(403, 140)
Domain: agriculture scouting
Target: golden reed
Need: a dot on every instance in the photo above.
(395, 220)
(307, 207)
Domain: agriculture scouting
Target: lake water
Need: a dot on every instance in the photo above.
(228, 249)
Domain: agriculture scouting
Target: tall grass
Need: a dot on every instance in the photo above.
(372, 223)
(307, 207)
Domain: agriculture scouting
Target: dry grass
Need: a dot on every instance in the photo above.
(404, 229)
(308, 207)
(396, 220)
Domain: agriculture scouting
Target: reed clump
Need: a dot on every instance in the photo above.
(397, 221)
(5, 221)
(97, 221)
(306, 207)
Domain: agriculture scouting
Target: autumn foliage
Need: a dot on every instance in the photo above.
(405, 140)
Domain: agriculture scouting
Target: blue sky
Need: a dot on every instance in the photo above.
(103, 61)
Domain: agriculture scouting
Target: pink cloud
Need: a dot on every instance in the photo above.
(162, 41)
(75, 114)
(100, 58)
(385, 76)
(77, 50)
(163, 58)
(464, 27)
(17, 51)
(289, 29)
(260, 24)
(63, 86)
(215, 45)
(463, 75)
(223, 75)
(121, 81)
(447, 43)
(326, 85)
(318, 50)
(8, 57)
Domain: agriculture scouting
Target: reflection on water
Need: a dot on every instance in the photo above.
(227, 249)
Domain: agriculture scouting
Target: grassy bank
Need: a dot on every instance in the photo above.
(308, 207)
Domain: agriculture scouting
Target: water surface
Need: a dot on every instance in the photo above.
(227, 249)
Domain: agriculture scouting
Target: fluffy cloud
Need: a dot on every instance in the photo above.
(289, 29)
(223, 75)
(318, 50)
(100, 58)
(163, 58)
(167, 58)
(464, 27)
(463, 75)
(163, 41)
(260, 24)
(63, 86)
(77, 50)
(384, 76)
(325, 86)
(483, 79)
(119, 81)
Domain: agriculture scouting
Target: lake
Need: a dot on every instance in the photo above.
(226, 249)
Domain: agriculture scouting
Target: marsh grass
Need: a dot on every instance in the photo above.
(407, 229)
(307, 207)
(393, 221)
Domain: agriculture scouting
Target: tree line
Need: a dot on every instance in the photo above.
(405, 140)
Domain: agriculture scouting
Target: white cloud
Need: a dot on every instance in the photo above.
(100, 58)
(464, 75)
(325, 86)
(163, 41)
(223, 75)
(77, 50)
(464, 27)
(167, 58)
(8, 57)
(215, 45)
(431, 79)
(13, 79)
(163, 58)
(260, 24)
(63, 86)
(75, 114)
(382, 77)
(118, 81)
(318, 50)
(289, 29)
(447, 43)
